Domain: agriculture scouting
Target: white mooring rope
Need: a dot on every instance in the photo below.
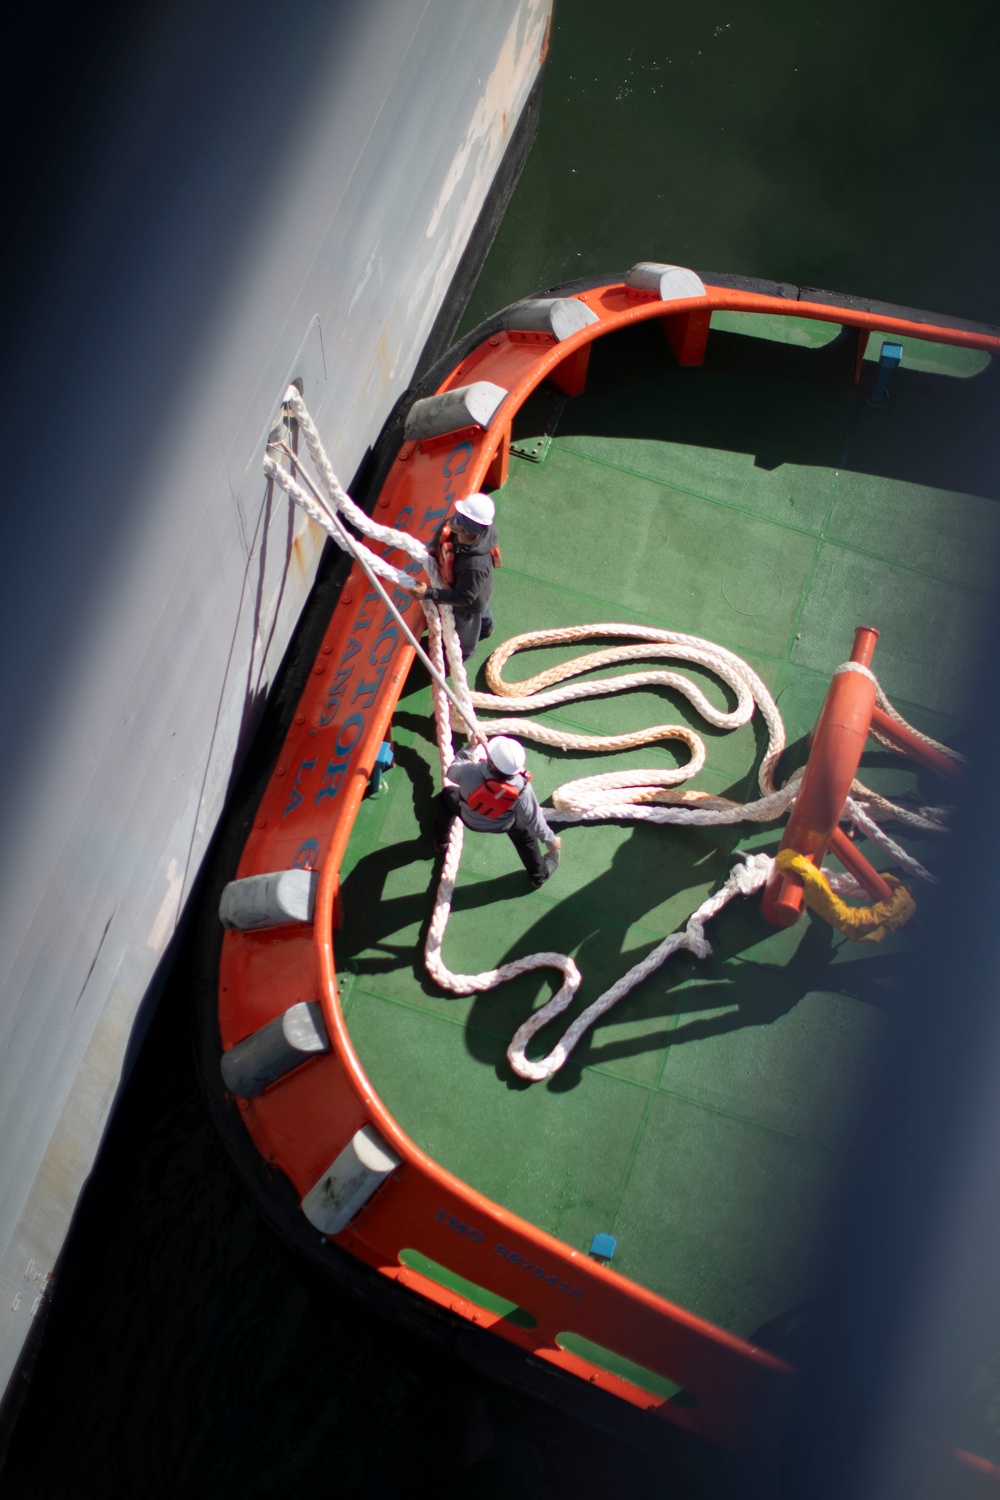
(655, 796)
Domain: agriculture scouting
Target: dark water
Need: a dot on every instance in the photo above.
(853, 148)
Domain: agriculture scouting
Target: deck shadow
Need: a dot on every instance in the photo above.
(372, 917)
(785, 404)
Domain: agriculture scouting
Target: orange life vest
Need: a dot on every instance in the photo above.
(446, 555)
(495, 799)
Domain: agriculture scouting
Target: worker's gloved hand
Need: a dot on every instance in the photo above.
(556, 843)
(419, 590)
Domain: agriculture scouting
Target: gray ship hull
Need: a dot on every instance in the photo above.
(277, 200)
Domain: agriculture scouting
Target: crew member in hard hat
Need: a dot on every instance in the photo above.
(467, 552)
(492, 793)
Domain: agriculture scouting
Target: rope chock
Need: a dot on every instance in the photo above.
(862, 924)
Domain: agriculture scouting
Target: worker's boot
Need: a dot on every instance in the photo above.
(549, 862)
(443, 824)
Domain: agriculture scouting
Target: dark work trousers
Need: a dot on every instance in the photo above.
(473, 626)
(525, 843)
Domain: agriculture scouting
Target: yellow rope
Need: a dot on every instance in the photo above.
(862, 924)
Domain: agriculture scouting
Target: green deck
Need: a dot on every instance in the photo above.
(761, 502)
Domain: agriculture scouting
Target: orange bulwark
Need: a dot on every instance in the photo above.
(304, 1122)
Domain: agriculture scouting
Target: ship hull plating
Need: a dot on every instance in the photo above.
(258, 205)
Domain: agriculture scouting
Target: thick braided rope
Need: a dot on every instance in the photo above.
(746, 878)
(868, 825)
(731, 669)
(897, 717)
(338, 495)
(710, 813)
(632, 795)
(442, 638)
(615, 795)
(932, 821)
(927, 819)
(322, 517)
(468, 984)
(440, 619)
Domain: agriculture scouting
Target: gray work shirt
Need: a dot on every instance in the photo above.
(468, 774)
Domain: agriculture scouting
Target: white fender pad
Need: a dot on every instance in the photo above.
(467, 406)
(348, 1183)
(277, 1049)
(559, 316)
(669, 282)
(269, 900)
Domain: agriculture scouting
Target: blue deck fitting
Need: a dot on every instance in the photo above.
(888, 361)
(383, 761)
(603, 1246)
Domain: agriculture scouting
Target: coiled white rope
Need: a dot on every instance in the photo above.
(656, 796)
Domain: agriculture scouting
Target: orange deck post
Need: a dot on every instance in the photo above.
(855, 864)
(570, 376)
(833, 762)
(905, 740)
(496, 474)
(688, 334)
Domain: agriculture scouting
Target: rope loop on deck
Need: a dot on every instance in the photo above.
(652, 795)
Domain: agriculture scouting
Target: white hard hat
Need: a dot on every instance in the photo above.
(506, 755)
(476, 508)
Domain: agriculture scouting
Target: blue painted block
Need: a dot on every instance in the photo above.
(383, 761)
(603, 1246)
(888, 360)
